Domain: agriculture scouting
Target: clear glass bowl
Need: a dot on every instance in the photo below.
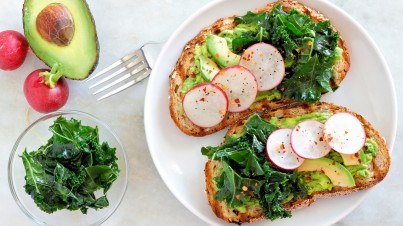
(36, 135)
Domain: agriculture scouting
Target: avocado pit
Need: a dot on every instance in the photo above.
(55, 24)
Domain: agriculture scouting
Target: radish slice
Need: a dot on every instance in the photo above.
(205, 105)
(344, 133)
(266, 63)
(240, 86)
(279, 150)
(307, 140)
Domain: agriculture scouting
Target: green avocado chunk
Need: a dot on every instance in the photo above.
(292, 122)
(62, 33)
(220, 52)
(208, 67)
(315, 181)
(336, 172)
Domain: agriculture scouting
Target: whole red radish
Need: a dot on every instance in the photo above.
(13, 50)
(45, 90)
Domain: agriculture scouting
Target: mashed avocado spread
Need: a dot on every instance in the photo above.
(247, 178)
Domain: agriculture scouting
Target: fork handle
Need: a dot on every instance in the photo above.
(151, 51)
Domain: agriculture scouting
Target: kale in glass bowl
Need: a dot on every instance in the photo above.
(68, 168)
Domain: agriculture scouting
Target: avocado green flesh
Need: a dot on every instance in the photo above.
(220, 52)
(208, 67)
(292, 122)
(80, 57)
(350, 159)
(336, 172)
(315, 181)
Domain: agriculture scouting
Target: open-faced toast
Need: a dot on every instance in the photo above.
(377, 168)
(187, 60)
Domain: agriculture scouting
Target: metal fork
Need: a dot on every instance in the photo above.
(124, 73)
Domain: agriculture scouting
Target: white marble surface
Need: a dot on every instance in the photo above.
(127, 24)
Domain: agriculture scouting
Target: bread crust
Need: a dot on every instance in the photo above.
(379, 166)
(181, 71)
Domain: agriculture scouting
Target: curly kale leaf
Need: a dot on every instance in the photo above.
(309, 81)
(235, 190)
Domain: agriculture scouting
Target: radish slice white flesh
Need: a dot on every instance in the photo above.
(205, 105)
(266, 63)
(240, 86)
(344, 133)
(279, 150)
(307, 140)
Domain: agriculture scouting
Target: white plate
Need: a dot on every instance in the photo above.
(367, 89)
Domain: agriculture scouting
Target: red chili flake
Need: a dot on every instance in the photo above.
(321, 139)
(282, 146)
(334, 163)
(202, 99)
(204, 89)
(193, 75)
(282, 88)
(252, 194)
(346, 132)
(239, 48)
(238, 196)
(308, 178)
(237, 100)
(217, 55)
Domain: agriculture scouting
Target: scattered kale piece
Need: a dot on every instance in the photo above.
(247, 176)
(65, 173)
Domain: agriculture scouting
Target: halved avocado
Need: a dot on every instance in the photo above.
(62, 34)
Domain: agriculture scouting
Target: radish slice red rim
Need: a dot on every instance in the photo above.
(205, 105)
(279, 150)
(239, 84)
(266, 63)
(307, 140)
(344, 133)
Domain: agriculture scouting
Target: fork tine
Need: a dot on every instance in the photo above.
(127, 85)
(117, 63)
(124, 77)
(137, 61)
(126, 72)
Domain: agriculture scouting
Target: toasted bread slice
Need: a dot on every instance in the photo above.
(186, 61)
(379, 167)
